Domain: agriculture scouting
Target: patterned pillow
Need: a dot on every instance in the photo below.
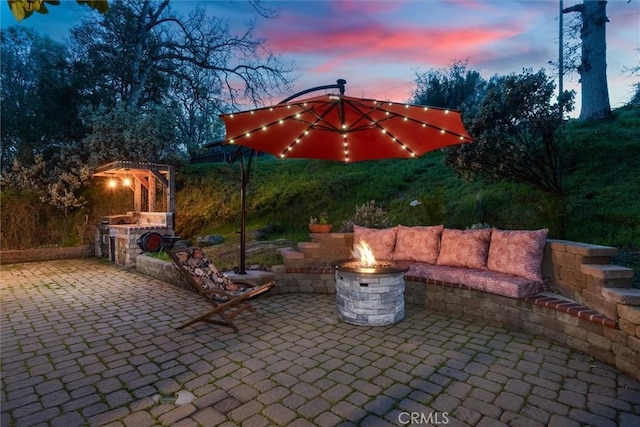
(418, 243)
(381, 241)
(464, 248)
(518, 252)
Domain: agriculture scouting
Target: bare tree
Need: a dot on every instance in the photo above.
(593, 64)
(142, 45)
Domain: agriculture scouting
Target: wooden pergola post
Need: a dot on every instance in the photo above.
(137, 195)
(152, 192)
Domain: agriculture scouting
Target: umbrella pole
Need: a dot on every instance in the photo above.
(244, 181)
(246, 171)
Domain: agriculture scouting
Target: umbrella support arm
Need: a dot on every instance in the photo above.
(245, 171)
(339, 85)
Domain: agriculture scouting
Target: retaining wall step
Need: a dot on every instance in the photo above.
(308, 245)
(622, 295)
(580, 248)
(607, 271)
(290, 253)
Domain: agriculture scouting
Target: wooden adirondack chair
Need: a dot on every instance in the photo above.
(228, 297)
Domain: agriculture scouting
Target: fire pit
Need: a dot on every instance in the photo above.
(369, 292)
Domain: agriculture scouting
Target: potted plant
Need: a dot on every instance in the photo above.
(319, 224)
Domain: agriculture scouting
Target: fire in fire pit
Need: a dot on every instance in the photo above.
(369, 292)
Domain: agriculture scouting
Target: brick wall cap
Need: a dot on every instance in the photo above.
(607, 271)
(580, 248)
(558, 245)
(587, 249)
(622, 295)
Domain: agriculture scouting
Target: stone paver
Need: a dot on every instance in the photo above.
(85, 342)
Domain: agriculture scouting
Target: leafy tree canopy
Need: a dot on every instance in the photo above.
(22, 9)
(515, 133)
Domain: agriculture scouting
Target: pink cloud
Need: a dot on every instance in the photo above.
(365, 7)
(394, 44)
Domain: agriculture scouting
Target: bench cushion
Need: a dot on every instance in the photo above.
(418, 243)
(464, 248)
(381, 241)
(483, 280)
(517, 252)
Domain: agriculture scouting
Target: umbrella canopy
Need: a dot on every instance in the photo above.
(346, 129)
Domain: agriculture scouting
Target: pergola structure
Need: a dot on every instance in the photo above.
(137, 175)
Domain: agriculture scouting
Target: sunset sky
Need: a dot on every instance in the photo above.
(379, 46)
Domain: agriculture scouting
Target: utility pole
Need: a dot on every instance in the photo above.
(560, 57)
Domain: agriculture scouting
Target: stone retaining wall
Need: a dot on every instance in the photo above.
(616, 342)
(597, 337)
(162, 270)
(46, 254)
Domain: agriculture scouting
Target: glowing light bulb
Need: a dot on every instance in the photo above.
(112, 183)
(126, 182)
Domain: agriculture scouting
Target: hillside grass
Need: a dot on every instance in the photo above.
(600, 205)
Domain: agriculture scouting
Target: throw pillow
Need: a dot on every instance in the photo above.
(518, 252)
(464, 248)
(381, 241)
(418, 243)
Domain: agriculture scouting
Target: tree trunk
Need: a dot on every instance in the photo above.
(593, 67)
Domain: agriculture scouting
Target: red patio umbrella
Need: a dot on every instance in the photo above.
(346, 129)
(338, 127)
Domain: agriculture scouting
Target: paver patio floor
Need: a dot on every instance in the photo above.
(85, 342)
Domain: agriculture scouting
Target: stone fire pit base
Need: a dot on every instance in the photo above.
(370, 299)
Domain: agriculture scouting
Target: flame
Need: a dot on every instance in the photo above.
(364, 252)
